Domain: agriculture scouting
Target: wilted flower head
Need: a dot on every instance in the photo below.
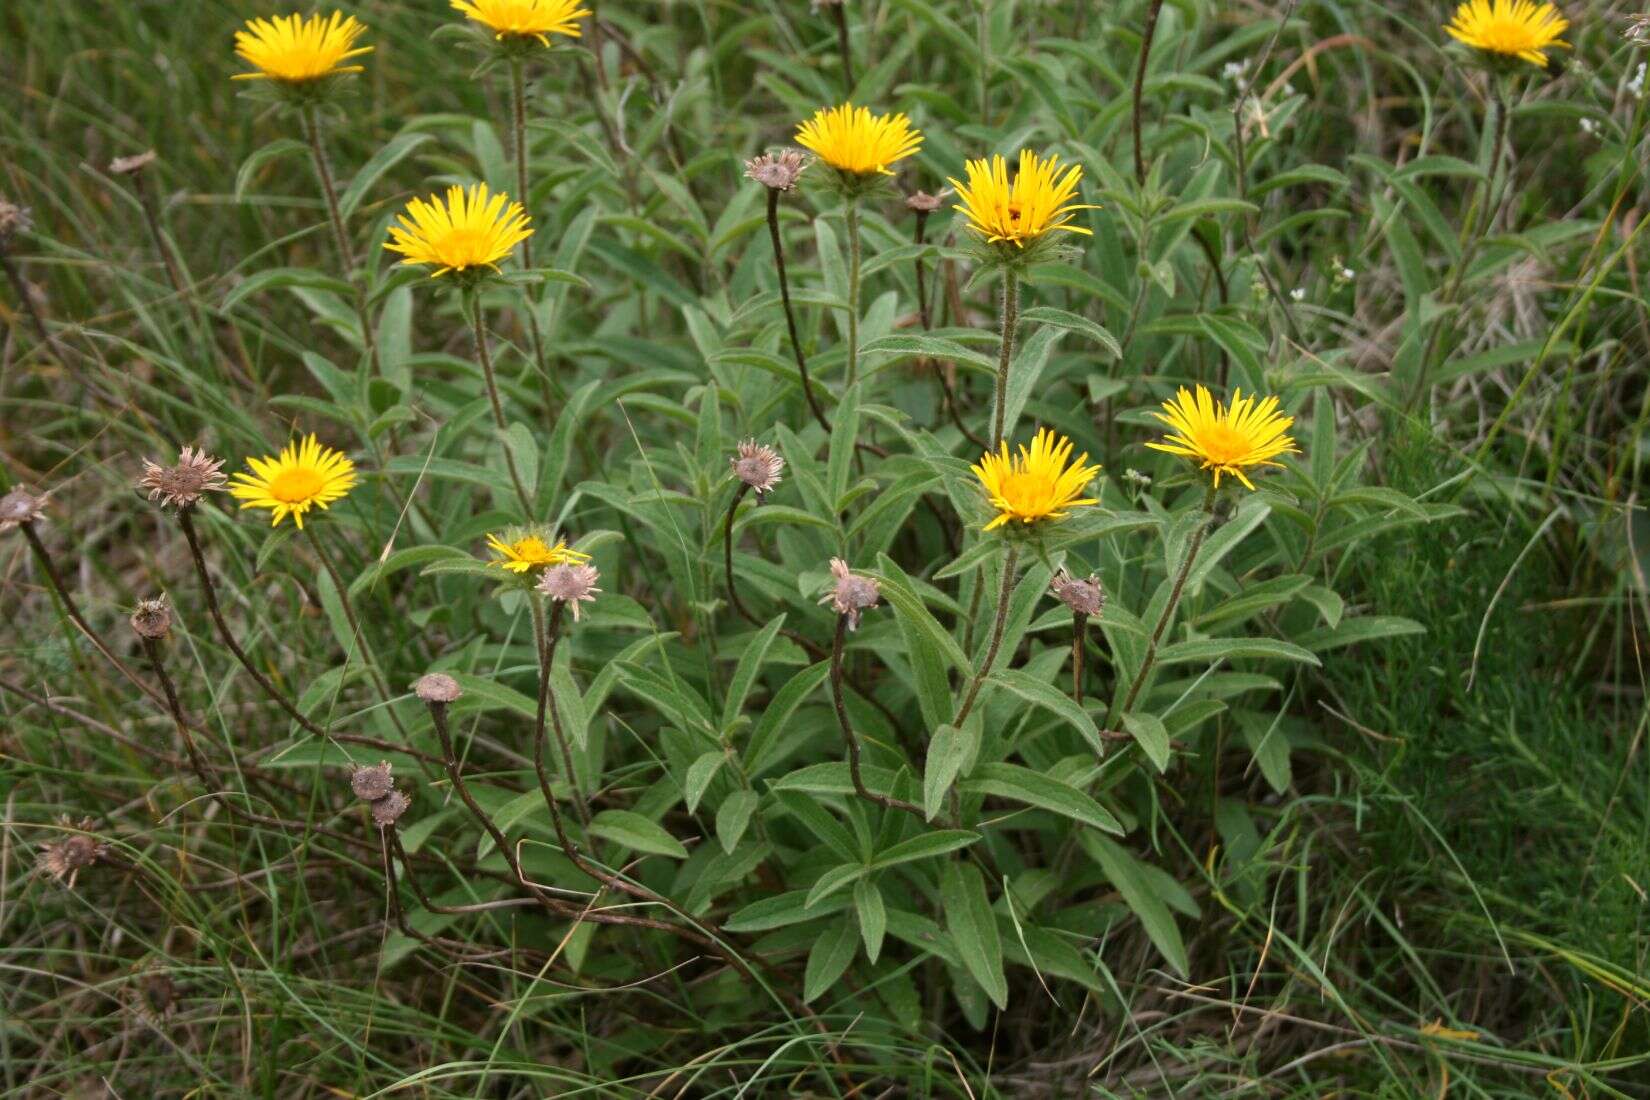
(776, 171)
(388, 810)
(570, 584)
(758, 466)
(21, 506)
(370, 783)
(137, 162)
(1084, 597)
(183, 483)
(63, 859)
(13, 219)
(924, 203)
(437, 687)
(152, 619)
(851, 594)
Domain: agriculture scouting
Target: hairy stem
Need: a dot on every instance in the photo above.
(1005, 354)
(1004, 592)
(851, 214)
(1079, 639)
(841, 11)
(485, 358)
(1146, 36)
(727, 557)
(549, 631)
(1168, 611)
(360, 636)
(790, 314)
(848, 734)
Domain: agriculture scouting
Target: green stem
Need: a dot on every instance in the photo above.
(311, 120)
(1005, 354)
(485, 358)
(360, 636)
(848, 735)
(1168, 611)
(548, 631)
(852, 217)
(1004, 592)
(1146, 37)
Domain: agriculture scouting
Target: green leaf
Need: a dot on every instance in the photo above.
(1365, 628)
(829, 959)
(778, 712)
(1209, 650)
(924, 846)
(1048, 315)
(873, 917)
(1051, 699)
(280, 278)
(1150, 734)
(833, 880)
(1136, 886)
(276, 149)
(733, 816)
(947, 750)
(1003, 780)
(744, 675)
(699, 775)
(897, 590)
(973, 928)
(388, 156)
(635, 831)
(778, 912)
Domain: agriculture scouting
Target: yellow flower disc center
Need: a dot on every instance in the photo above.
(1026, 493)
(1223, 446)
(296, 485)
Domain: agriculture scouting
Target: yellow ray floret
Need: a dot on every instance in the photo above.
(294, 50)
(469, 229)
(1225, 439)
(524, 552)
(525, 18)
(1037, 484)
(854, 140)
(303, 476)
(1514, 28)
(1039, 199)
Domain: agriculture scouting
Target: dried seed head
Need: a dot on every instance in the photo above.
(13, 219)
(777, 171)
(127, 166)
(152, 619)
(570, 584)
(851, 594)
(388, 810)
(1084, 597)
(21, 506)
(65, 858)
(758, 466)
(182, 484)
(923, 203)
(371, 783)
(1638, 29)
(437, 687)
(157, 995)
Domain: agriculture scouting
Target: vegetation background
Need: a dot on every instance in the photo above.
(1425, 875)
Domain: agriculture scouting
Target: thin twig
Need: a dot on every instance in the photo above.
(790, 314)
(1004, 592)
(849, 736)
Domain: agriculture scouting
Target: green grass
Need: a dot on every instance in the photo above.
(1399, 845)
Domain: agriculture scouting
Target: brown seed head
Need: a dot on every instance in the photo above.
(758, 466)
(777, 171)
(570, 584)
(13, 219)
(127, 166)
(1084, 597)
(851, 594)
(923, 203)
(21, 506)
(437, 687)
(371, 783)
(152, 619)
(182, 484)
(388, 810)
(65, 858)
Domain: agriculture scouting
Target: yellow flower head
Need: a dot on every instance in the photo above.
(303, 476)
(525, 18)
(1514, 28)
(1225, 440)
(526, 551)
(1037, 484)
(854, 140)
(295, 50)
(1039, 199)
(470, 229)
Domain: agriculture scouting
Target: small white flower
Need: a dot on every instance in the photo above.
(1298, 294)
(1635, 86)
(1235, 71)
(1589, 126)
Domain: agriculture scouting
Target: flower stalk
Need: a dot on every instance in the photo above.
(311, 124)
(360, 636)
(790, 313)
(843, 624)
(485, 358)
(851, 216)
(1005, 354)
(1146, 36)
(548, 631)
(518, 126)
(1004, 592)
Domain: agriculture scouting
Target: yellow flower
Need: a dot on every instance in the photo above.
(294, 50)
(525, 18)
(1225, 440)
(1037, 484)
(1039, 199)
(305, 475)
(470, 229)
(522, 552)
(854, 140)
(1515, 28)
